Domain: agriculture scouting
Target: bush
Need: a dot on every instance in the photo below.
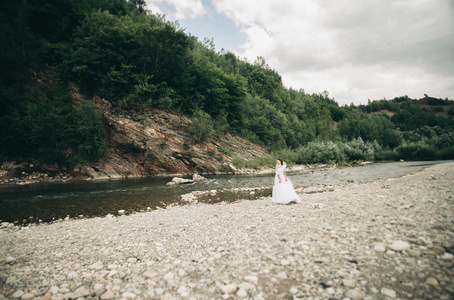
(416, 151)
(225, 168)
(358, 150)
(320, 152)
(201, 126)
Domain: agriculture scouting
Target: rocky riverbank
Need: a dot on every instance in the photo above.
(391, 239)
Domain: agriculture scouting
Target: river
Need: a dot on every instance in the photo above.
(51, 201)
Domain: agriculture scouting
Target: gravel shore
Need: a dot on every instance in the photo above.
(389, 239)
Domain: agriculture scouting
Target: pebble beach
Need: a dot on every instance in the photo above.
(386, 239)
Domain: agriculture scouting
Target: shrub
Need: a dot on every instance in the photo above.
(225, 168)
(416, 151)
(201, 126)
(320, 152)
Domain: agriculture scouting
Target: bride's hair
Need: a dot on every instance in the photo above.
(282, 162)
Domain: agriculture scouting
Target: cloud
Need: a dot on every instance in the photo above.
(177, 9)
(356, 50)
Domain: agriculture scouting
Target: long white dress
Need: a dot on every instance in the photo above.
(283, 193)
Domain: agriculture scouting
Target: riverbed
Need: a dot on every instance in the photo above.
(46, 202)
(384, 239)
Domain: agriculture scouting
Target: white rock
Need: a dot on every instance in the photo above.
(247, 286)
(54, 290)
(282, 275)
(349, 283)
(112, 267)
(128, 295)
(159, 291)
(447, 256)
(150, 274)
(399, 246)
(27, 296)
(80, 292)
(241, 293)
(388, 293)
(229, 288)
(169, 278)
(10, 260)
(112, 273)
(132, 260)
(72, 275)
(178, 180)
(18, 294)
(379, 247)
(197, 177)
(121, 212)
(108, 295)
(99, 289)
(355, 294)
(183, 291)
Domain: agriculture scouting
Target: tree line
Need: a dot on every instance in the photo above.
(116, 50)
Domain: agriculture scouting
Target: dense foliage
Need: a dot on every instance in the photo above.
(114, 49)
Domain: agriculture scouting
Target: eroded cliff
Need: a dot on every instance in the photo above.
(141, 143)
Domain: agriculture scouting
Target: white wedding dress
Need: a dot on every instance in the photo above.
(283, 193)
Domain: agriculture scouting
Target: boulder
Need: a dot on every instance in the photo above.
(178, 180)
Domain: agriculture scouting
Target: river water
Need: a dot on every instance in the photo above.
(52, 201)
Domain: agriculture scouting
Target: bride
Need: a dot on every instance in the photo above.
(283, 191)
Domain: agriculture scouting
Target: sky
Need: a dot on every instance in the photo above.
(356, 50)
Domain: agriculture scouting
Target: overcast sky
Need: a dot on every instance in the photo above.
(354, 49)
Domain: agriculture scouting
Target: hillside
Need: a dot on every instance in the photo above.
(103, 88)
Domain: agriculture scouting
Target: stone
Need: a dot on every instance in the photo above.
(169, 277)
(447, 256)
(229, 288)
(399, 246)
(10, 260)
(355, 294)
(388, 293)
(132, 260)
(197, 177)
(251, 279)
(27, 296)
(159, 291)
(432, 281)
(241, 293)
(72, 276)
(183, 291)
(379, 247)
(150, 274)
(47, 296)
(80, 292)
(11, 279)
(282, 275)
(18, 294)
(178, 180)
(128, 295)
(121, 212)
(349, 283)
(108, 295)
(99, 289)
(247, 286)
(413, 253)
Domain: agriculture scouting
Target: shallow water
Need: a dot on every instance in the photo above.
(49, 201)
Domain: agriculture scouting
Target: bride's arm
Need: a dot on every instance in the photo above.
(285, 174)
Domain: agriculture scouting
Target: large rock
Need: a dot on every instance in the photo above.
(399, 246)
(178, 180)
